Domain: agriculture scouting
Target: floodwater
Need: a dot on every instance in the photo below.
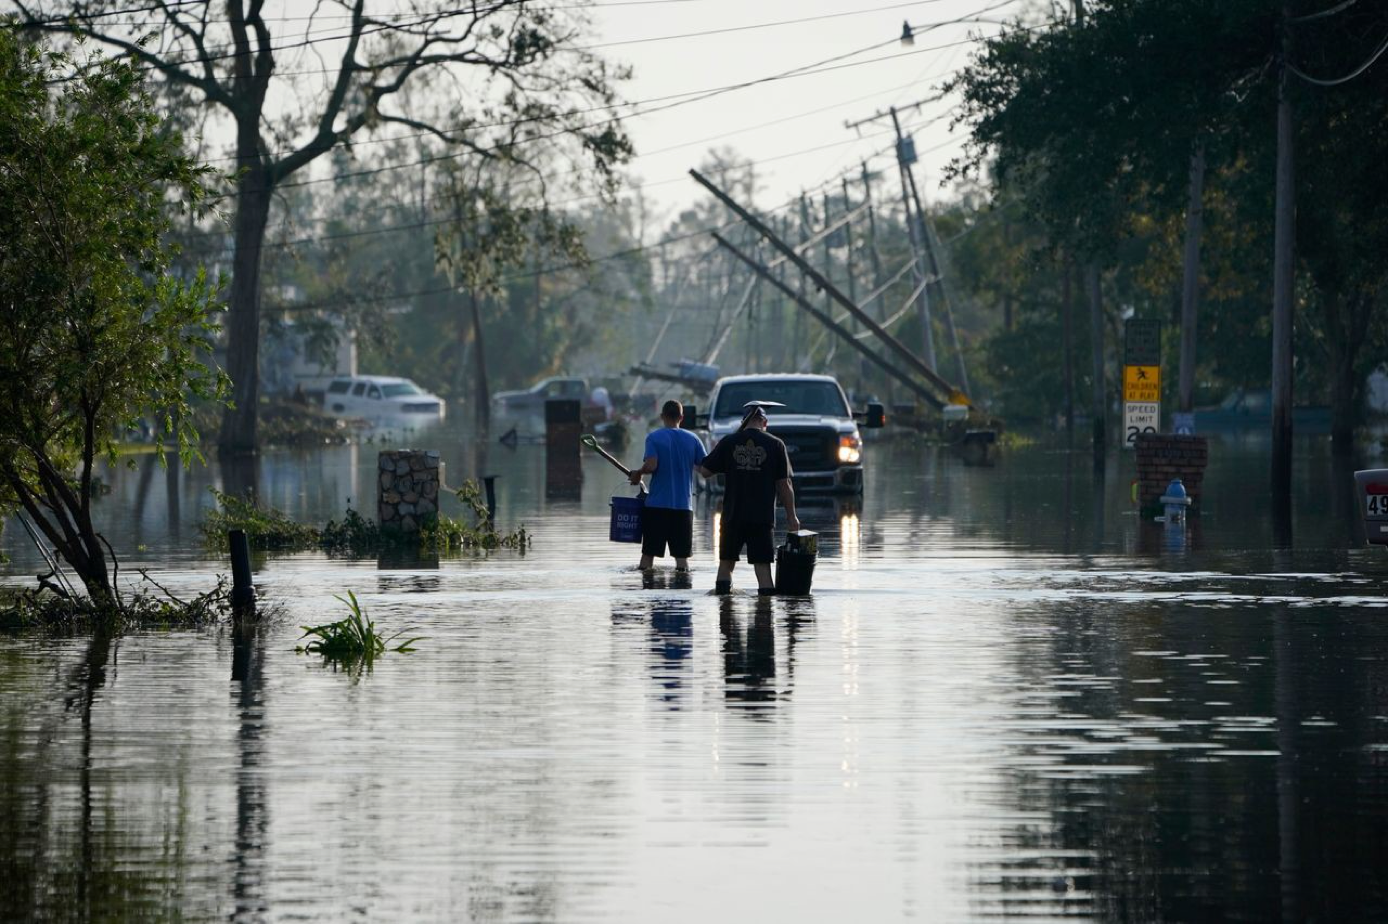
(1006, 698)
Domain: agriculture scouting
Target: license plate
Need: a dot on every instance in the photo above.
(1377, 505)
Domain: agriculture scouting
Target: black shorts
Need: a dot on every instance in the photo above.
(662, 526)
(761, 544)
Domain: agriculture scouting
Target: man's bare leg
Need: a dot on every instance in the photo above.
(724, 582)
(647, 562)
(681, 564)
(764, 579)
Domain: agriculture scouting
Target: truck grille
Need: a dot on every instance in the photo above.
(810, 448)
(421, 407)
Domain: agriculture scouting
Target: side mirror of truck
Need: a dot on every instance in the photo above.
(691, 418)
(876, 417)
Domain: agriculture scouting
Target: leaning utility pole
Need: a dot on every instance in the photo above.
(824, 318)
(816, 277)
(1283, 275)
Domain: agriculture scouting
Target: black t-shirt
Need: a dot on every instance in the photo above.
(751, 462)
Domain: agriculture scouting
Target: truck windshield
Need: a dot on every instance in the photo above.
(799, 397)
(400, 389)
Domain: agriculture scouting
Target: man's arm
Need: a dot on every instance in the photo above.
(786, 492)
(648, 467)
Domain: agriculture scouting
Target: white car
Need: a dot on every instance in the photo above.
(382, 400)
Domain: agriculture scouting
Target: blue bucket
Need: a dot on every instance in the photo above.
(626, 518)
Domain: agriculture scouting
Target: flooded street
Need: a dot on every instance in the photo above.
(1006, 697)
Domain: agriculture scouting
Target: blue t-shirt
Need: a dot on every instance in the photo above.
(676, 452)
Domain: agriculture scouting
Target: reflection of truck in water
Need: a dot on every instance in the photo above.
(816, 424)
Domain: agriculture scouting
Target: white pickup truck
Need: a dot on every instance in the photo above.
(817, 425)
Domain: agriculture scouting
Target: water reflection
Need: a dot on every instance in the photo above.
(990, 707)
(749, 660)
(672, 634)
(252, 812)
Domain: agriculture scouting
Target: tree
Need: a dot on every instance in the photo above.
(512, 61)
(94, 333)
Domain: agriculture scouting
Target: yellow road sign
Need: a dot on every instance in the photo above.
(1142, 383)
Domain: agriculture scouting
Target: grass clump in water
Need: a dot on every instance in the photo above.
(265, 527)
(352, 640)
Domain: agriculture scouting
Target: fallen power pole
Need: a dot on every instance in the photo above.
(765, 273)
(824, 285)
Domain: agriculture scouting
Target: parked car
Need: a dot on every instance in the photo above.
(816, 424)
(531, 401)
(1251, 408)
(382, 400)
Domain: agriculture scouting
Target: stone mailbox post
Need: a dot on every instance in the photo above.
(407, 495)
(1372, 487)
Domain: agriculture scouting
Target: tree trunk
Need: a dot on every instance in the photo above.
(1067, 342)
(1190, 288)
(1099, 403)
(243, 327)
(1283, 281)
(482, 393)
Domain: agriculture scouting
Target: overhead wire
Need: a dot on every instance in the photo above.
(1378, 53)
(685, 144)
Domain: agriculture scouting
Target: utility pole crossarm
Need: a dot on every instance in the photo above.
(765, 273)
(912, 360)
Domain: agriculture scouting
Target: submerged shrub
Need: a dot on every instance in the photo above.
(445, 534)
(274, 530)
(265, 527)
(44, 609)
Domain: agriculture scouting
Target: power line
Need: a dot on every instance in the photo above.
(1378, 53)
(1339, 7)
(428, 223)
(502, 146)
(761, 25)
(438, 16)
(312, 18)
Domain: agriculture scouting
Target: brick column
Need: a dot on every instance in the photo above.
(407, 495)
(1162, 457)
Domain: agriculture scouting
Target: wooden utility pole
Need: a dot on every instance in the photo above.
(1099, 407)
(851, 270)
(873, 253)
(823, 317)
(1067, 341)
(816, 277)
(1190, 284)
(1283, 274)
(917, 248)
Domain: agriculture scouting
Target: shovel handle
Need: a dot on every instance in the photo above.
(592, 443)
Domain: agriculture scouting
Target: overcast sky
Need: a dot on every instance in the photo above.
(794, 127)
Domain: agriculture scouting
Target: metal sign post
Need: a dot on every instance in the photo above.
(1141, 379)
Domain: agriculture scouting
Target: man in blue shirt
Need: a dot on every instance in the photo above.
(671, 454)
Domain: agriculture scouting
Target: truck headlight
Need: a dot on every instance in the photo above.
(850, 448)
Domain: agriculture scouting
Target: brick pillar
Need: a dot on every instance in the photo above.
(1162, 457)
(407, 495)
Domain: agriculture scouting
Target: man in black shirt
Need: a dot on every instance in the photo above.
(756, 470)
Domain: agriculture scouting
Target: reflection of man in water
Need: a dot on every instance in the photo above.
(756, 471)
(749, 670)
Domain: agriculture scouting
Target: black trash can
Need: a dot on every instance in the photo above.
(795, 563)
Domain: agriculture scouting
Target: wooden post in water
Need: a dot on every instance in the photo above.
(242, 589)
